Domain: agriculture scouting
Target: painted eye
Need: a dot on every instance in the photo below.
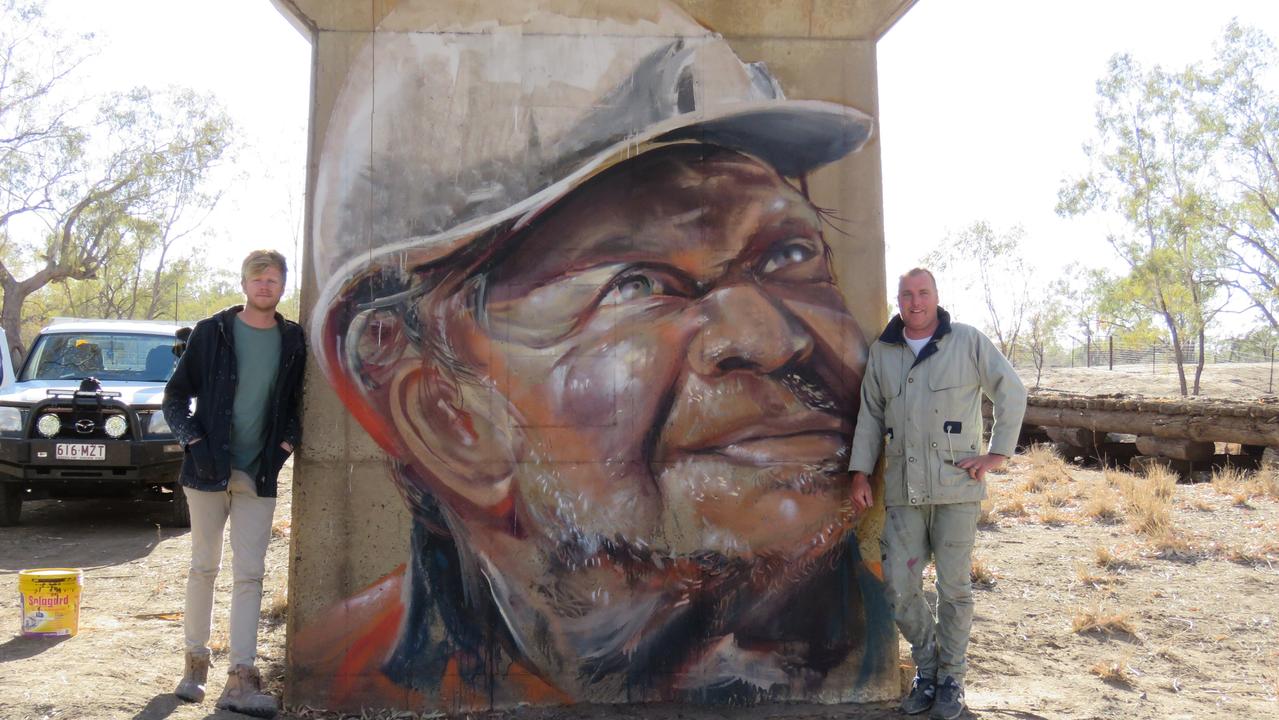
(631, 287)
(785, 254)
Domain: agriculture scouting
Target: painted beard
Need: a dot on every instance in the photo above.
(589, 604)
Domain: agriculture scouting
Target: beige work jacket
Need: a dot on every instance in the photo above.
(928, 409)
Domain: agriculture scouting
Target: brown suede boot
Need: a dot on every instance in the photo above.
(194, 675)
(243, 693)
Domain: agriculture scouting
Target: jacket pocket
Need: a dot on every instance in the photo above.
(202, 460)
(948, 450)
(278, 456)
(955, 375)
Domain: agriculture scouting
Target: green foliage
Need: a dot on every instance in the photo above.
(1152, 166)
(1237, 115)
(1046, 316)
(100, 192)
(982, 258)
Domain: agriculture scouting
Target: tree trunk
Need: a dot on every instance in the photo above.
(1177, 355)
(1199, 367)
(11, 321)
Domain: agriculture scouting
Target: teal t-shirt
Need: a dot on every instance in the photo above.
(257, 357)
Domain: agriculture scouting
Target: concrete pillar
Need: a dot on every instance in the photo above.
(693, 585)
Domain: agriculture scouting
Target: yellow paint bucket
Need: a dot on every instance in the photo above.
(50, 601)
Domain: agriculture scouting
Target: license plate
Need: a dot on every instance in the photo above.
(81, 451)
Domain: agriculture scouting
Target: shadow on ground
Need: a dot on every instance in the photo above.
(83, 533)
(21, 647)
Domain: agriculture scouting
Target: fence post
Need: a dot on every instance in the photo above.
(1272, 370)
(1088, 354)
(1072, 354)
(1112, 352)
(1153, 355)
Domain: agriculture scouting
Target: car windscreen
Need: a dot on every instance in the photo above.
(104, 355)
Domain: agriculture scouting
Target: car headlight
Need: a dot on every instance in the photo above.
(116, 426)
(10, 420)
(49, 425)
(157, 425)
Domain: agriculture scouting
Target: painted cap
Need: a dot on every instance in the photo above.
(461, 120)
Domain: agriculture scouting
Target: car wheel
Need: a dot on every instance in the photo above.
(12, 503)
(180, 512)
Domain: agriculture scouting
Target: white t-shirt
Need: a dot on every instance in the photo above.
(916, 345)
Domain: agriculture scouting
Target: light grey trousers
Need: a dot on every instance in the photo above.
(944, 533)
(250, 517)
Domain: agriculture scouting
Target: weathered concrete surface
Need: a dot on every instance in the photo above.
(350, 527)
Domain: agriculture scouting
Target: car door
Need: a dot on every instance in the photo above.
(6, 364)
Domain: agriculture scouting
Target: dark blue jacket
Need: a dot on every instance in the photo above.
(207, 372)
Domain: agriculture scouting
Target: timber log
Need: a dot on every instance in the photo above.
(1254, 422)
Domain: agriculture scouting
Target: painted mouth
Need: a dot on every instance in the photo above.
(806, 438)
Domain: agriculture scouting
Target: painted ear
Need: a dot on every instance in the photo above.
(447, 432)
(415, 408)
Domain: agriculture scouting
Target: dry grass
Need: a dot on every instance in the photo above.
(1148, 500)
(1052, 516)
(1202, 505)
(1267, 483)
(1242, 487)
(1107, 558)
(219, 642)
(1254, 554)
(1116, 671)
(1099, 621)
(1161, 481)
(1044, 469)
(1089, 578)
(1239, 555)
(1170, 544)
(277, 610)
(1102, 504)
(982, 575)
(1014, 507)
(1226, 480)
(281, 527)
(986, 518)
(1115, 478)
(1058, 496)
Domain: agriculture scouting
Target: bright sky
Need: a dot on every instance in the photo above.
(984, 106)
(258, 66)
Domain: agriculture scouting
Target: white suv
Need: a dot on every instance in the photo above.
(81, 417)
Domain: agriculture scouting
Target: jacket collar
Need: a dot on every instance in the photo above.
(895, 334)
(226, 317)
(226, 322)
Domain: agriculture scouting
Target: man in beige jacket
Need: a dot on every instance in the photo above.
(922, 393)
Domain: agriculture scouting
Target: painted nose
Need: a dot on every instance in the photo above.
(746, 330)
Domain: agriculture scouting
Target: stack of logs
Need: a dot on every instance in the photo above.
(1138, 431)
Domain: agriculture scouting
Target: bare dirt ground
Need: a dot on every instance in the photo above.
(1234, 381)
(1100, 595)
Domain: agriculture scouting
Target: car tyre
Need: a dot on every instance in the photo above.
(180, 512)
(11, 509)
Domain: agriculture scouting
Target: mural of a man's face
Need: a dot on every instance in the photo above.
(645, 411)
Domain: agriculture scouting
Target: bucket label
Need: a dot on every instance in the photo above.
(50, 602)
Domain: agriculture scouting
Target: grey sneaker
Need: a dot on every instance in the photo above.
(921, 694)
(195, 674)
(243, 694)
(950, 701)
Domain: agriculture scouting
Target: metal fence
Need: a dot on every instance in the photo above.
(1248, 370)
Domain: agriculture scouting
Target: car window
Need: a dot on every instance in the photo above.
(106, 356)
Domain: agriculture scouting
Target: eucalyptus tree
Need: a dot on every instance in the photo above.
(88, 182)
(1153, 166)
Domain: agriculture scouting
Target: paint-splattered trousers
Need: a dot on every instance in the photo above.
(250, 517)
(945, 533)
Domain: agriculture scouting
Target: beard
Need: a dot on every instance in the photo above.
(594, 607)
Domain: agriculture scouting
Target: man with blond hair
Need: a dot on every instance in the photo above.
(922, 393)
(243, 367)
